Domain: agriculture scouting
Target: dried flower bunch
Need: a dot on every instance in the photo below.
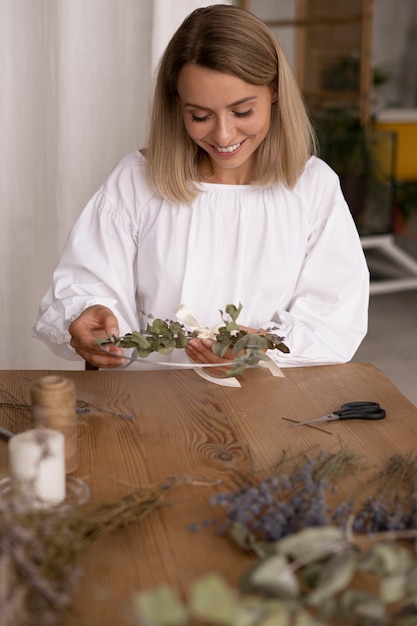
(40, 551)
(296, 495)
(311, 568)
(164, 336)
(311, 578)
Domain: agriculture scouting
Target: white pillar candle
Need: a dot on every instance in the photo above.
(37, 465)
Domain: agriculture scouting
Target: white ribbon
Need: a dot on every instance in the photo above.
(187, 317)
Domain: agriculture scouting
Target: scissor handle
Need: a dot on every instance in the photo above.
(361, 410)
(364, 404)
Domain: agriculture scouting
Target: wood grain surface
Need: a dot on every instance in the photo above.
(144, 427)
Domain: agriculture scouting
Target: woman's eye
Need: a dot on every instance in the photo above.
(244, 113)
(195, 118)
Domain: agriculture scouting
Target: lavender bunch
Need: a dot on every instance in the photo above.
(279, 505)
(39, 569)
(293, 497)
(40, 550)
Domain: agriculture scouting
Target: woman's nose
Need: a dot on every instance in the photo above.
(223, 131)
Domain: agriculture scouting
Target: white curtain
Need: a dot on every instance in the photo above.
(75, 80)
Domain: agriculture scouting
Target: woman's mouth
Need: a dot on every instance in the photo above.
(228, 150)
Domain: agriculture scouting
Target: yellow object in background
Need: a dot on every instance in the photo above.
(403, 122)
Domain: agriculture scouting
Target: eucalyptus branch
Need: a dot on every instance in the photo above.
(164, 336)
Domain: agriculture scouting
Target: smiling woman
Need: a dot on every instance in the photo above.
(228, 118)
(227, 204)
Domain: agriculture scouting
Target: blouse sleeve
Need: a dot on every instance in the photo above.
(327, 316)
(94, 269)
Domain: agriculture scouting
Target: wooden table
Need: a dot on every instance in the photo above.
(185, 426)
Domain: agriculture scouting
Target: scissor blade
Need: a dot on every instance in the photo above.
(322, 418)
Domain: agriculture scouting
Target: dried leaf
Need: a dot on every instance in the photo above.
(309, 540)
(302, 618)
(363, 605)
(281, 616)
(160, 607)
(336, 576)
(385, 559)
(274, 575)
(233, 311)
(392, 588)
(213, 601)
(412, 579)
(311, 573)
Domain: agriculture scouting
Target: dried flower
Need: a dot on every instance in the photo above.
(40, 551)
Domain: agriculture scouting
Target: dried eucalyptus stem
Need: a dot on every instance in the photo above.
(164, 336)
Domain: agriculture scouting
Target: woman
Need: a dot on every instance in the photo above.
(227, 204)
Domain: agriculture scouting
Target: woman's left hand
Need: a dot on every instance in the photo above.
(200, 351)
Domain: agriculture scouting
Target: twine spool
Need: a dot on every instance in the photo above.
(53, 406)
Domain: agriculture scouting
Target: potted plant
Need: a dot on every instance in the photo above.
(344, 145)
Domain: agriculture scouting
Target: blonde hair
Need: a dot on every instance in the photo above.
(226, 39)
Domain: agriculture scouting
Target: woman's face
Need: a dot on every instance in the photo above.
(227, 117)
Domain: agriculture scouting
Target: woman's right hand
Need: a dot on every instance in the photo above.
(96, 322)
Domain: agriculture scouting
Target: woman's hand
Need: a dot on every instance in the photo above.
(200, 351)
(96, 322)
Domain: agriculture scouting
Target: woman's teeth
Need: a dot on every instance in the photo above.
(229, 148)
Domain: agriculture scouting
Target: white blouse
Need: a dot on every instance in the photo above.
(293, 258)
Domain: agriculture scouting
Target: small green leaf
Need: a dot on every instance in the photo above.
(160, 607)
(144, 353)
(363, 605)
(385, 559)
(181, 341)
(213, 601)
(233, 311)
(311, 573)
(335, 577)
(281, 617)
(274, 575)
(309, 540)
(392, 588)
(303, 618)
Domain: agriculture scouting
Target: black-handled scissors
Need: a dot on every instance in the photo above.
(351, 410)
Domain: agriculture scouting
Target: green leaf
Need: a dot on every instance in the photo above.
(335, 577)
(181, 341)
(363, 605)
(166, 350)
(392, 588)
(158, 327)
(311, 573)
(274, 575)
(412, 579)
(138, 340)
(144, 353)
(160, 607)
(385, 558)
(233, 311)
(303, 618)
(220, 348)
(310, 540)
(281, 617)
(213, 601)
